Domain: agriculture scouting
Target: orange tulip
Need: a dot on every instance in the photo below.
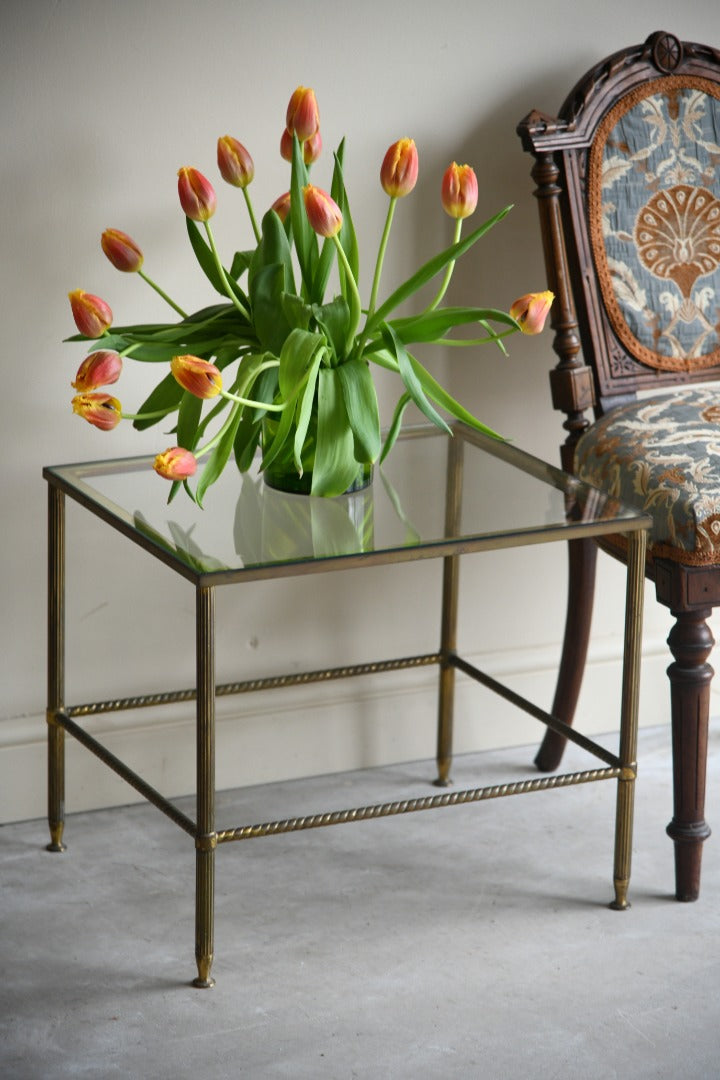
(175, 464)
(281, 206)
(92, 315)
(322, 211)
(399, 170)
(100, 410)
(311, 147)
(303, 116)
(197, 195)
(200, 377)
(531, 311)
(121, 250)
(234, 162)
(459, 191)
(100, 368)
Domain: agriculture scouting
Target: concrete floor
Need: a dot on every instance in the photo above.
(472, 942)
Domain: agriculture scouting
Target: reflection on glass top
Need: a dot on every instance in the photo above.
(246, 526)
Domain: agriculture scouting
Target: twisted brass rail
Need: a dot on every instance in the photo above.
(248, 686)
(408, 806)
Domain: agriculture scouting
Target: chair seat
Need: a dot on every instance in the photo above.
(662, 454)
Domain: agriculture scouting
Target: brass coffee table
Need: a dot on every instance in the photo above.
(437, 497)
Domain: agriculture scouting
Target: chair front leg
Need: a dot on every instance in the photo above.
(582, 561)
(690, 642)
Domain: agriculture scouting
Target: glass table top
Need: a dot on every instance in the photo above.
(435, 495)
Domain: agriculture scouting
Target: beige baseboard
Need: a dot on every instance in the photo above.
(318, 729)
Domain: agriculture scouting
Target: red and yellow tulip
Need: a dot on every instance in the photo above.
(197, 195)
(100, 410)
(399, 170)
(101, 368)
(200, 377)
(530, 311)
(459, 191)
(121, 250)
(322, 211)
(175, 464)
(91, 314)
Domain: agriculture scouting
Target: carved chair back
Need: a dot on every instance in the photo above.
(628, 183)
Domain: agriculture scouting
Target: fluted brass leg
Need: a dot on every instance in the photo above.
(445, 724)
(204, 905)
(206, 838)
(56, 787)
(623, 841)
(56, 666)
(448, 630)
(629, 718)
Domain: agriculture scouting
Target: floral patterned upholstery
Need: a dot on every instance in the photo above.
(663, 455)
(654, 201)
(654, 212)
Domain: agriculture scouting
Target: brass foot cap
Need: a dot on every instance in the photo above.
(203, 984)
(442, 783)
(55, 847)
(619, 905)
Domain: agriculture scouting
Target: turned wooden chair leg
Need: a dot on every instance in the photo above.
(582, 560)
(690, 642)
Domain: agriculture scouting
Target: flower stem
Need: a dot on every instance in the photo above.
(448, 271)
(355, 303)
(148, 415)
(463, 342)
(253, 220)
(238, 402)
(253, 404)
(381, 257)
(202, 450)
(378, 267)
(160, 292)
(223, 276)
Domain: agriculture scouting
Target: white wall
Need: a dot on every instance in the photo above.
(101, 102)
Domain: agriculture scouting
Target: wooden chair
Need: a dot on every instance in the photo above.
(628, 188)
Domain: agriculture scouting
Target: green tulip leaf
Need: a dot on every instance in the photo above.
(188, 420)
(413, 385)
(306, 244)
(361, 404)
(335, 466)
(395, 426)
(296, 311)
(296, 358)
(262, 388)
(430, 269)
(219, 456)
(346, 236)
(334, 318)
(152, 353)
(205, 257)
(246, 440)
(268, 286)
(304, 412)
(434, 390)
(432, 325)
(241, 262)
(273, 248)
(166, 395)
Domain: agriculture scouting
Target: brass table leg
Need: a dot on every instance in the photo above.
(629, 718)
(56, 666)
(205, 837)
(448, 631)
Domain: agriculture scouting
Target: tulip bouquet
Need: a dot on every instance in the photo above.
(280, 365)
